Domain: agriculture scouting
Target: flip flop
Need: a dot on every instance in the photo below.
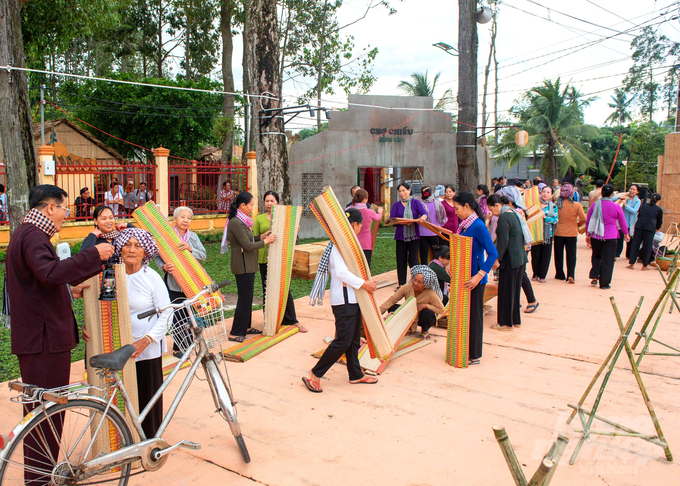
(531, 307)
(311, 385)
(237, 339)
(368, 380)
(474, 362)
(301, 328)
(252, 330)
(501, 328)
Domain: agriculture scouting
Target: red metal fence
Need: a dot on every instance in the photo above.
(202, 185)
(97, 176)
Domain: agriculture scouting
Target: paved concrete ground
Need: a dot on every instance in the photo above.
(426, 423)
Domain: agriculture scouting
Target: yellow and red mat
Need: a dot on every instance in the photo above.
(250, 348)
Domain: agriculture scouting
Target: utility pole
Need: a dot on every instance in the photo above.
(466, 144)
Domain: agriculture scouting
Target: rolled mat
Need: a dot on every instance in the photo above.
(532, 198)
(285, 222)
(459, 302)
(332, 217)
(190, 275)
(535, 223)
(252, 347)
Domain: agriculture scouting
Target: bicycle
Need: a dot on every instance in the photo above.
(73, 434)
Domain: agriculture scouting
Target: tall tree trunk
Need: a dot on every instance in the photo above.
(495, 92)
(226, 15)
(486, 73)
(15, 115)
(322, 43)
(262, 64)
(284, 44)
(466, 153)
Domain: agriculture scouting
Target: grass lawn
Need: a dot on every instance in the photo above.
(219, 269)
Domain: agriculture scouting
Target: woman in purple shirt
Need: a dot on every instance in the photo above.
(436, 214)
(601, 235)
(451, 216)
(407, 235)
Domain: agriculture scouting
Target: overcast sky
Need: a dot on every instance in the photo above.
(526, 30)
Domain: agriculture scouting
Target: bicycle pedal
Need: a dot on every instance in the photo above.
(194, 446)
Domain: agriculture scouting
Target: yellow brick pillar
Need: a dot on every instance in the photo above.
(162, 180)
(386, 190)
(45, 156)
(251, 161)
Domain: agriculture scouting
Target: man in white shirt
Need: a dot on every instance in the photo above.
(347, 317)
(113, 198)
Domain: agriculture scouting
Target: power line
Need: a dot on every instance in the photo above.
(576, 18)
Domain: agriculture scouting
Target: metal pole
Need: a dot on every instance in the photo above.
(42, 114)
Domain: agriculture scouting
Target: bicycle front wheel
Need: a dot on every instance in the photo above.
(223, 397)
(59, 439)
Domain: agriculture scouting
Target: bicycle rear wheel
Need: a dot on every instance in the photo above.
(59, 439)
(226, 407)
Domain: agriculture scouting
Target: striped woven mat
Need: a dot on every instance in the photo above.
(169, 363)
(255, 345)
(459, 302)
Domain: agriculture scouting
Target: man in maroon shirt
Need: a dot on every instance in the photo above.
(44, 329)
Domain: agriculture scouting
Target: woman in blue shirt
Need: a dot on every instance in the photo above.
(472, 225)
(541, 252)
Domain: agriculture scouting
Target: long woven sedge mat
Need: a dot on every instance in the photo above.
(169, 363)
(490, 292)
(285, 222)
(190, 275)
(250, 348)
(331, 216)
(459, 302)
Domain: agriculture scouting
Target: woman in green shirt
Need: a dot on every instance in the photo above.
(262, 224)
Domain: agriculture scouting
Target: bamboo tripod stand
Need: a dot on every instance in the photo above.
(546, 470)
(621, 431)
(668, 294)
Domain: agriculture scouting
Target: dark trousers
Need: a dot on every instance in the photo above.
(46, 370)
(509, 290)
(426, 318)
(476, 330)
(540, 259)
(289, 315)
(604, 255)
(149, 380)
(561, 244)
(347, 342)
(528, 288)
(407, 254)
(181, 316)
(619, 245)
(368, 254)
(427, 243)
(245, 284)
(646, 239)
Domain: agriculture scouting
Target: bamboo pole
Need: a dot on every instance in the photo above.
(602, 367)
(641, 385)
(669, 287)
(618, 347)
(648, 339)
(542, 472)
(555, 455)
(509, 454)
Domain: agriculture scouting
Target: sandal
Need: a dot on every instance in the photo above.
(594, 282)
(474, 362)
(237, 339)
(368, 380)
(541, 280)
(630, 266)
(252, 330)
(312, 385)
(501, 328)
(301, 328)
(531, 307)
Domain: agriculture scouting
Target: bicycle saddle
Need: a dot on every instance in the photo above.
(113, 361)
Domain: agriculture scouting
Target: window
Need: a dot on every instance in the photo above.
(312, 186)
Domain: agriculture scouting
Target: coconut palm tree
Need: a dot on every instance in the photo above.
(553, 117)
(420, 86)
(621, 102)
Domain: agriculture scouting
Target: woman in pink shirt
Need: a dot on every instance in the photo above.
(365, 236)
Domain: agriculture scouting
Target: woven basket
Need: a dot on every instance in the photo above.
(663, 263)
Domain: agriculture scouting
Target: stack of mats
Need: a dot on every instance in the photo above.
(110, 328)
(189, 274)
(535, 215)
(332, 217)
(459, 302)
(285, 222)
(252, 347)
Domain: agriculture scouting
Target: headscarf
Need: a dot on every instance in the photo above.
(186, 236)
(145, 239)
(247, 220)
(431, 280)
(439, 191)
(566, 192)
(409, 231)
(321, 279)
(541, 185)
(513, 194)
(596, 223)
(428, 197)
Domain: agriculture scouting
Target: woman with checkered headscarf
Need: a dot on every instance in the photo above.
(146, 291)
(424, 286)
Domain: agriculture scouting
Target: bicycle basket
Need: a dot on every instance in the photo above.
(209, 318)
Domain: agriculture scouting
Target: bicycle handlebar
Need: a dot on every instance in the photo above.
(207, 289)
